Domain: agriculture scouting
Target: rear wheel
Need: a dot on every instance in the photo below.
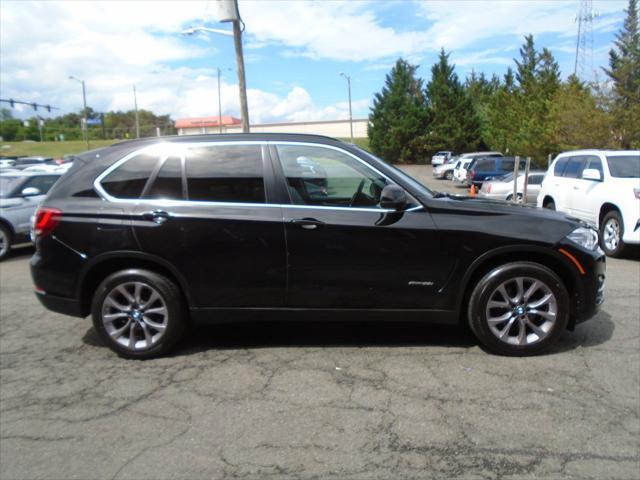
(611, 232)
(448, 175)
(550, 204)
(138, 313)
(5, 242)
(519, 309)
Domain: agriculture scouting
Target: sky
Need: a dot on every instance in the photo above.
(294, 51)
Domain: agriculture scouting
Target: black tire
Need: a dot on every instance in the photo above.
(610, 219)
(486, 289)
(550, 204)
(448, 175)
(6, 241)
(172, 301)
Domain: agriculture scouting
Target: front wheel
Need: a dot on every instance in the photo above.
(138, 313)
(611, 232)
(519, 309)
(448, 175)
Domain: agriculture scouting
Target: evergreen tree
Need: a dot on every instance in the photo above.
(624, 71)
(399, 116)
(455, 124)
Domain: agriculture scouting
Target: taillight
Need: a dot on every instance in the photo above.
(489, 188)
(473, 174)
(46, 220)
(636, 192)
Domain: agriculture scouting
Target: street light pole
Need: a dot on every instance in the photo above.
(350, 114)
(85, 129)
(244, 106)
(135, 104)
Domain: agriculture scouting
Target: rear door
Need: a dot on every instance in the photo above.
(344, 251)
(207, 211)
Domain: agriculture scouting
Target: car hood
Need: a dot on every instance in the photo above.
(495, 217)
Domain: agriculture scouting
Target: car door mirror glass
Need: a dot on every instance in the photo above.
(592, 174)
(393, 197)
(30, 192)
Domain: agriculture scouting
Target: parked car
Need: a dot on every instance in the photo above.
(501, 188)
(441, 157)
(445, 170)
(601, 187)
(24, 162)
(460, 171)
(20, 194)
(149, 235)
(481, 168)
(7, 163)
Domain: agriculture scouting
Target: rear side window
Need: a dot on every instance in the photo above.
(535, 179)
(507, 165)
(128, 180)
(168, 182)
(558, 170)
(574, 167)
(226, 173)
(485, 165)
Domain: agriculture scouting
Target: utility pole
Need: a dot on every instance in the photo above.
(85, 129)
(219, 104)
(350, 114)
(135, 104)
(244, 107)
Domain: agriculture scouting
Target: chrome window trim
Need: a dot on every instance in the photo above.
(184, 145)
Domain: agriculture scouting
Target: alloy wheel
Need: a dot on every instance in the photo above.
(4, 243)
(521, 311)
(611, 234)
(135, 315)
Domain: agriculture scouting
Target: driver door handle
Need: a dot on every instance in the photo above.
(307, 223)
(157, 216)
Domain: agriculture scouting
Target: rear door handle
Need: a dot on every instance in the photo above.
(157, 216)
(307, 223)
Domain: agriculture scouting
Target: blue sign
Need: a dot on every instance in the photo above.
(94, 121)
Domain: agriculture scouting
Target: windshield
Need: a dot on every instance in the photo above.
(7, 185)
(409, 179)
(624, 166)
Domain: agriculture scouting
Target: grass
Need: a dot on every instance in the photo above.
(49, 149)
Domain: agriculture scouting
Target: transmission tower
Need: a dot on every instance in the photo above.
(583, 66)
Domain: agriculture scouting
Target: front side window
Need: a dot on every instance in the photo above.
(594, 163)
(128, 180)
(624, 166)
(225, 173)
(327, 177)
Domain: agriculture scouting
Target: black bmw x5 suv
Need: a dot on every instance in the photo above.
(150, 235)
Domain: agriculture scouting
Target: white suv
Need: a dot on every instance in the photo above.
(601, 187)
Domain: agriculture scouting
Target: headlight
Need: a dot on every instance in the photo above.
(585, 237)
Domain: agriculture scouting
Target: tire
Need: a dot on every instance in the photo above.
(542, 323)
(6, 240)
(448, 175)
(153, 301)
(551, 205)
(611, 233)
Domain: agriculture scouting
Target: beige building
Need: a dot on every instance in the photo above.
(330, 128)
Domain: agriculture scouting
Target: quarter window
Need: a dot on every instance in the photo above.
(326, 177)
(558, 170)
(168, 182)
(229, 173)
(128, 180)
(574, 167)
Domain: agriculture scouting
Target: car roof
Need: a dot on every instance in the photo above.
(473, 154)
(596, 151)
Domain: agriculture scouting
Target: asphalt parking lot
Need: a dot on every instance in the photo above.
(322, 400)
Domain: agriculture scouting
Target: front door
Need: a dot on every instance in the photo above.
(344, 251)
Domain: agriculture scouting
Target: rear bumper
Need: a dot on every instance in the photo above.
(66, 306)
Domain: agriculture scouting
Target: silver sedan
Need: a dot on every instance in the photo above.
(501, 188)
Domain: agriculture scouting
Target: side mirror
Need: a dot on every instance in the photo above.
(393, 197)
(592, 174)
(30, 192)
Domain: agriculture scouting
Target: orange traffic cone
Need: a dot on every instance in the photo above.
(472, 191)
